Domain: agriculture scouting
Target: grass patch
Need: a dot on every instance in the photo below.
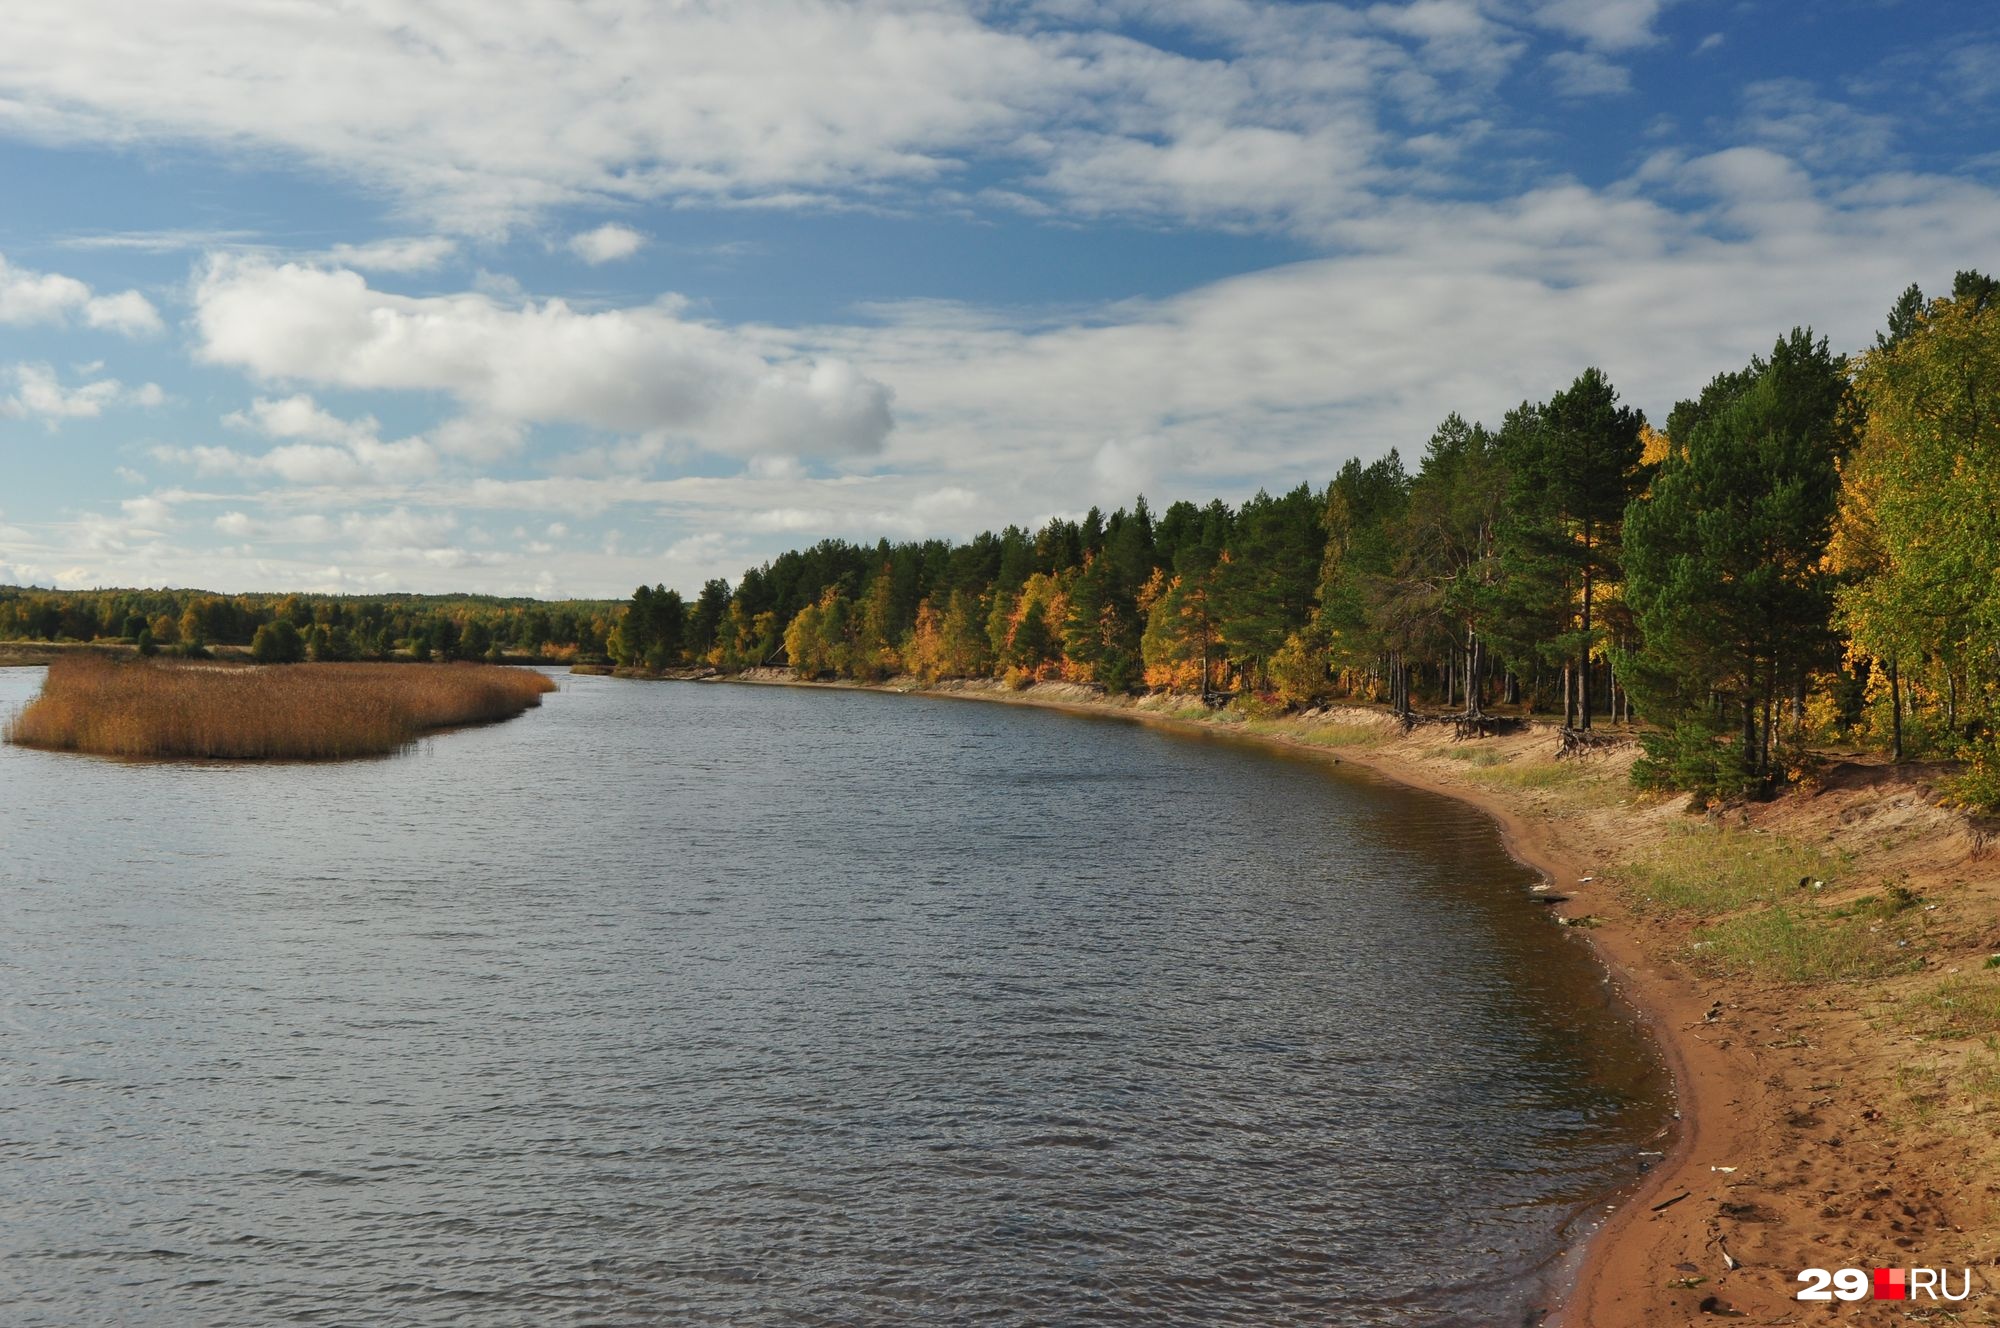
(1478, 757)
(1706, 872)
(1930, 1087)
(1795, 945)
(1963, 1006)
(1979, 1078)
(1328, 733)
(1893, 902)
(1530, 774)
(290, 712)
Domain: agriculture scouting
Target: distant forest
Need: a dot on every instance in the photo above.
(1808, 552)
(285, 628)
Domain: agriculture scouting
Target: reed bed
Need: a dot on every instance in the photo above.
(298, 712)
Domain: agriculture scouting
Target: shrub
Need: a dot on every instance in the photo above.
(277, 643)
(1119, 671)
(1299, 673)
(1979, 787)
(1694, 758)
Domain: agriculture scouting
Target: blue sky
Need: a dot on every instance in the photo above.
(553, 298)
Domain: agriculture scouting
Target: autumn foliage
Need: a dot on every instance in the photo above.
(298, 712)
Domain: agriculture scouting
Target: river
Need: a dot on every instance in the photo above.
(683, 1004)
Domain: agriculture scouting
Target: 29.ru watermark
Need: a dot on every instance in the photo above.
(1886, 1284)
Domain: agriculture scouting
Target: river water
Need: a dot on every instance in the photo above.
(688, 1004)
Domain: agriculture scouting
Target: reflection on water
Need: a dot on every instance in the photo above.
(682, 1004)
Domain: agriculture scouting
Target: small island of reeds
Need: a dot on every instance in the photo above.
(298, 712)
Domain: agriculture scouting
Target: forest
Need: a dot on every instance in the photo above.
(1804, 555)
(322, 628)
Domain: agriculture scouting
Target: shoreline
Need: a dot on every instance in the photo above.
(1723, 1222)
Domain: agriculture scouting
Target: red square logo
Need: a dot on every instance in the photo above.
(1891, 1284)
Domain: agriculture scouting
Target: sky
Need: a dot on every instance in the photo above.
(559, 297)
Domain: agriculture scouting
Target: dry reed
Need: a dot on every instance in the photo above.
(291, 712)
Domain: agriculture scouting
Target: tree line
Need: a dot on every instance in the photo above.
(1808, 551)
(285, 628)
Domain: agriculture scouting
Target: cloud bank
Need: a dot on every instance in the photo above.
(642, 370)
(480, 116)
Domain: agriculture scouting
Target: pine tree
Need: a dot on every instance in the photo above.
(1574, 464)
(1725, 554)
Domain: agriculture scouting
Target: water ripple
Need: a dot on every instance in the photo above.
(671, 1004)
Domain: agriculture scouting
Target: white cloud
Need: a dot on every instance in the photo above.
(139, 527)
(159, 241)
(1129, 465)
(476, 439)
(1972, 70)
(414, 254)
(127, 312)
(290, 528)
(148, 514)
(793, 519)
(317, 448)
(1612, 25)
(369, 462)
(28, 298)
(607, 244)
(39, 394)
(480, 117)
(1580, 74)
(631, 371)
(398, 528)
(396, 536)
(1789, 116)
(299, 416)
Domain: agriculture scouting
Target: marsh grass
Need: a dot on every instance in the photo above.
(1706, 872)
(158, 709)
(1797, 945)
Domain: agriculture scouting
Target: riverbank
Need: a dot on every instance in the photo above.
(1813, 968)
